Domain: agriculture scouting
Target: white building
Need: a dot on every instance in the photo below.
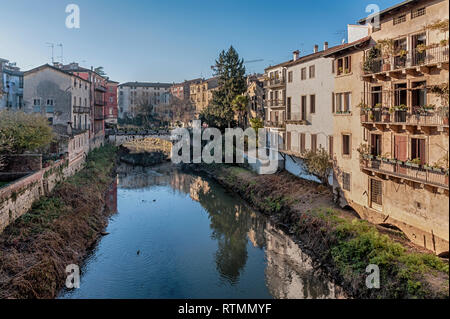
(133, 94)
(309, 103)
(62, 97)
(11, 86)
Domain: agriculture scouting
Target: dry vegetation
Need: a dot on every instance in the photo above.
(58, 231)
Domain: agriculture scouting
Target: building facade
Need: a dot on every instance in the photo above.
(181, 91)
(275, 105)
(201, 93)
(255, 94)
(97, 92)
(391, 123)
(11, 86)
(111, 106)
(59, 95)
(135, 94)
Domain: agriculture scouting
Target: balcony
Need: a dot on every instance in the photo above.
(416, 117)
(98, 113)
(99, 88)
(274, 83)
(99, 103)
(414, 61)
(295, 118)
(412, 172)
(81, 109)
(275, 124)
(276, 103)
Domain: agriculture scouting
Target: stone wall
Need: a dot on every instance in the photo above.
(17, 198)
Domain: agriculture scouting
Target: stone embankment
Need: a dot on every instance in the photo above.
(145, 152)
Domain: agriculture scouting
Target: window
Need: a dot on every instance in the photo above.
(36, 102)
(312, 71)
(418, 149)
(312, 104)
(419, 94)
(50, 102)
(376, 192)
(74, 101)
(303, 76)
(400, 19)
(344, 65)
(346, 181)
(288, 109)
(290, 76)
(314, 142)
(346, 144)
(418, 12)
(332, 67)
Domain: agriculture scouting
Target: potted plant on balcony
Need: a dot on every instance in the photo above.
(413, 163)
(364, 153)
(386, 157)
(377, 107)
(387, 49)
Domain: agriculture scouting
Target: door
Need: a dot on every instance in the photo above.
(400, 152)
(418, 149)
(375, 144)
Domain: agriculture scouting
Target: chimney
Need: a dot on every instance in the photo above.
(325, 46)
(316, 48)
(296, 55)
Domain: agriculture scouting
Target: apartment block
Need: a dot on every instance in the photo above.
(255, 94)
(182, 91)
(135, 94)
(391, 123)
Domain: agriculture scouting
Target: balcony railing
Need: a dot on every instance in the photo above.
(99, 103)
(276, 103)
(276, 82)
(404, 170)
(100, 88)
(414, 58)
(404, 117)
(81, 109)
(279, 124)
(295, 117)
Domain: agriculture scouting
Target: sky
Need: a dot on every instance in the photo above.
(172, 40)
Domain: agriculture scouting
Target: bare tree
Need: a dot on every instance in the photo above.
(143, 108)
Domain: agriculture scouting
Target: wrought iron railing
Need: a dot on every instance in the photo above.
(412, 172)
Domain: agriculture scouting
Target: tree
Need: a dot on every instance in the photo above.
(318, 164)
(99, 70)
(21, 132)
(230, 71)
(239, 104)
(144, 110)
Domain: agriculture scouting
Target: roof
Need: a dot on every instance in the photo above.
(44, 66)
(147, 84)
(346, 46)
(389, 10)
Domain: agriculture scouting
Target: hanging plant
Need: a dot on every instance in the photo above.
(443, 43)
(421, 48)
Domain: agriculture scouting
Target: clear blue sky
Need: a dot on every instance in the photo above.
(172, 40)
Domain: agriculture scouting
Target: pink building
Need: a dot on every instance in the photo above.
(111, 108)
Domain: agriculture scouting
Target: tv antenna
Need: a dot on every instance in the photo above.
(62, 52)
(52, 45)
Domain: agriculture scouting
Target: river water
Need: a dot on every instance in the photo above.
(178, 235)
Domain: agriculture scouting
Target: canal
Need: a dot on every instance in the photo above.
(179, 235)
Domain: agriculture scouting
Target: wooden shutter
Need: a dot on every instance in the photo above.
(313, 142)
(376, 192)
(302, 142)
(288, 141)
(333, 103)
(330, 145)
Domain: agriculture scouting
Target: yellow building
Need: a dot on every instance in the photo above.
(391, 125)
(201, 93)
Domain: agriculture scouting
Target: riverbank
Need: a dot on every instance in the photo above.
(340, 242)
(146, 152)
(58, 231)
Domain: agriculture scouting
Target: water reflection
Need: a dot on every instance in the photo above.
(223, 250)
